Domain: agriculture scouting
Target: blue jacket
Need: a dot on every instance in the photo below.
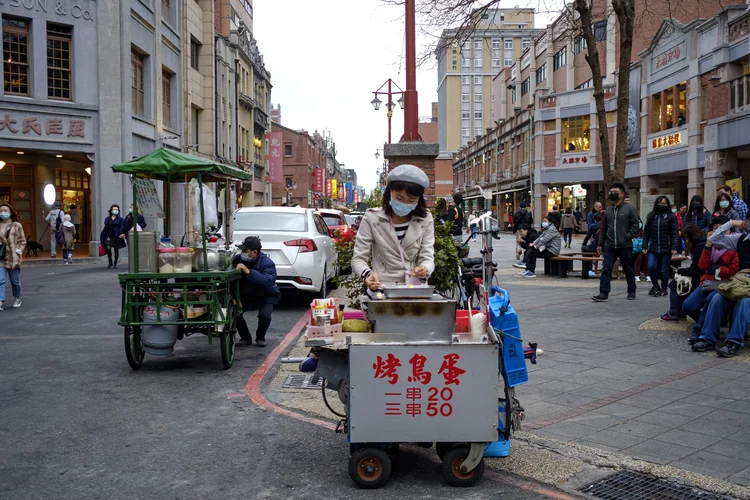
(113, 231)
(259, 287)
(660, 234)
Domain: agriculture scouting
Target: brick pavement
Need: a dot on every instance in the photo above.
(605, 383)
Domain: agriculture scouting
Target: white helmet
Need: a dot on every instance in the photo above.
(683, 284)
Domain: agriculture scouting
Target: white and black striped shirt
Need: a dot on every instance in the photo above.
(401, 231)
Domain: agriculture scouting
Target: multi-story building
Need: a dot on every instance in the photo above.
(428, 130)
(85, 85)
(305, 161)
(466, 68)
(545, 148)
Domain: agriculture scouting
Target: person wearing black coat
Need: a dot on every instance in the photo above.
(127, 223)
(660, 240)
(258, 290)
(695, 241)
(522, 218)
(526, 236)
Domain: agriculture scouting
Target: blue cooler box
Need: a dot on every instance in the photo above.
(504, 318)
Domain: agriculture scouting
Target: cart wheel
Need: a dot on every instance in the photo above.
(134, 347)
(370, 468)
(227, 348)
(452, 468)
(443, 448)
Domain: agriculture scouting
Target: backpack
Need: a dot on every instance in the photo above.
(59, 236)
(59, 220)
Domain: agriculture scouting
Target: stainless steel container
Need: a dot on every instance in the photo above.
(431, 320)
(408, 292)
(147, 259)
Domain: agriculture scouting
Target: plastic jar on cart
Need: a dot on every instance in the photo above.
(165, 242)
(183, 261)
(167, 257)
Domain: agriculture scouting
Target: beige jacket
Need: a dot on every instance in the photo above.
(377, 243)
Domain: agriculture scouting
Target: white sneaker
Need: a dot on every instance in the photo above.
(1, 305)
(592, 274)
(521, 273)
(529, 274)
(66, 262)
(17, 302)
(637, 279)
(648, 278)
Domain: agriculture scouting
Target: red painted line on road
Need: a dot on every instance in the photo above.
(252, 389)
(239, 395)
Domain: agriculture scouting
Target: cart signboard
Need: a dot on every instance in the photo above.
(423, 392)
(147, 196)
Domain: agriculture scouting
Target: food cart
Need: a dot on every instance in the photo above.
(160, 306)
(419, 377)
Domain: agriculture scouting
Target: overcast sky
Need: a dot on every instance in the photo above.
(326, 58)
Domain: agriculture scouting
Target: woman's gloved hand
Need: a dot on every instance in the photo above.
(372, 281)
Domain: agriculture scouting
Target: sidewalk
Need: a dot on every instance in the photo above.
(615, 389)
(80, 256)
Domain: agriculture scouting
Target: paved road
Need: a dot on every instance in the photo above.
(76, 422)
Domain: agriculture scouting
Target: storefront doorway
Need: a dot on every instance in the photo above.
(73, 190)
(16, 189)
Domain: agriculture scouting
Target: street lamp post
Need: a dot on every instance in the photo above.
(390, 104)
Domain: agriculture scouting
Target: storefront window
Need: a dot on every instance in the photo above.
(681, 104)
(656, 112)
(576, 134)
(670, 108)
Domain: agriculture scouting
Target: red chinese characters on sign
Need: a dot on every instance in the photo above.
(570, 160)
(275, 164)
(392, 408)
(450, 371)
(666, 141)
(32, 125)
(318, 187)
(387, 368)
(667, 57)
(418, 373)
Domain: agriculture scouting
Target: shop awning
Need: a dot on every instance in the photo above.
(161, 163)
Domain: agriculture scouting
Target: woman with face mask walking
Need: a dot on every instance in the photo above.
(660, 241)
(399, 238)
(12, 245)
(110, 236)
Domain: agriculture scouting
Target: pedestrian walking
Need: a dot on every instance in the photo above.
(456, 216)
(697, 214)
(554, 217)
(619, 227)
(69, 238)
(569, 225)
(258, 290)
(110, 236)
(127, 223)
(12, 245)
(661, 241)
(54, 219)
(75, 218)
(546, 245)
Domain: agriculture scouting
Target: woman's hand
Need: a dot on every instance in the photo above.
(421, 272)
(372, 281)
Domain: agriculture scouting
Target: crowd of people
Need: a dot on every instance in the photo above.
(714, 290)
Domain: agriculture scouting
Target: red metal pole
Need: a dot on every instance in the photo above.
(411, 111)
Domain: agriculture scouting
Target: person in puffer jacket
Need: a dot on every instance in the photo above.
(547, 244)
(661, 240)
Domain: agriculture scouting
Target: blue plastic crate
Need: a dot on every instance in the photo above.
(504, 319)
(501, 447)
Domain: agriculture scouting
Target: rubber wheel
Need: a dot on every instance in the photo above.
(227, 348)
(452, 468)
(134, 347)
(442, 449)
(370, 468)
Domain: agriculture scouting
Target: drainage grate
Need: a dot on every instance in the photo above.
(302, 381)
(636, 486)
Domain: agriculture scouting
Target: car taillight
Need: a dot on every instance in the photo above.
(305, 245)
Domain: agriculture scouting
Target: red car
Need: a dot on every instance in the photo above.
(337, 223)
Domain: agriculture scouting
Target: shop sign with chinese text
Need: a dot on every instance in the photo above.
(582, 159)
(668, 57)
(46, 127)
(275, 161)
(665, 142)
(318, 187)
(412, 393)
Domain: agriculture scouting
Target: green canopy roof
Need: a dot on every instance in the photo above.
(163, 162)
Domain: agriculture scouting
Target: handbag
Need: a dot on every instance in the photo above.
(102, 251)
(4, 246)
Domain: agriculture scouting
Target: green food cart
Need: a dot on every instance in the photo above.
(214, 293)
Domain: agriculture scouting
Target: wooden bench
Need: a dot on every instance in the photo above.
(560, 265)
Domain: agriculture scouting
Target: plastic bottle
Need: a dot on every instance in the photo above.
(165, 242)
(478, 321)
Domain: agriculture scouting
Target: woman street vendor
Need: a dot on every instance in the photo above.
(395, 243)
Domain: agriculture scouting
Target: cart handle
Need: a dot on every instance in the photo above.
(505, 295)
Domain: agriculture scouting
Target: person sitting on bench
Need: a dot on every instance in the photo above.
(546, 245)
(525, 237)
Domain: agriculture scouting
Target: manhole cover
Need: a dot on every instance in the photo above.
(302, 381)
(636, 486)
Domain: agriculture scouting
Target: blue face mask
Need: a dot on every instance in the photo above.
(724, 204)
(402, 209)
(4, 215)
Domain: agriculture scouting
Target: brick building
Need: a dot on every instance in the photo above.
(428, 130)
(545, 146)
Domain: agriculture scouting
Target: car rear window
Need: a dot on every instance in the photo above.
(332, 220)
(270, 221)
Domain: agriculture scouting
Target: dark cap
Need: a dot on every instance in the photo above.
(250, 243)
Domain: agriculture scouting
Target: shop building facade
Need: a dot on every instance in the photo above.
(545, 147)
